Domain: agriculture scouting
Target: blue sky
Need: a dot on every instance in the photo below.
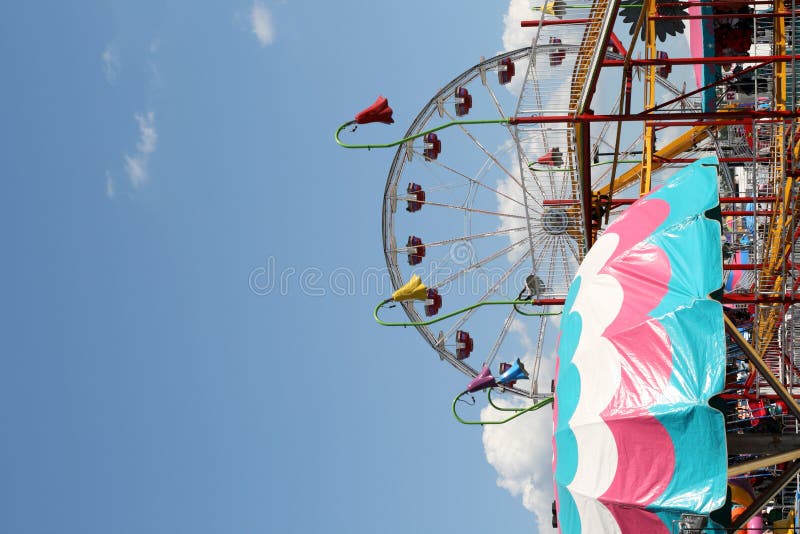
(158, 154)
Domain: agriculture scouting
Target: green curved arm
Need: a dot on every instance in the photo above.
(500, 408)
(458, 312)
(519, 411)
(415, 136)
(535, 314)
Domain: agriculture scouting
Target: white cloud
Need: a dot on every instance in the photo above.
(111, 188)
(111, 63)
(136, 165)
(261, 20)
(152, 66)
(514, 36)
(147, 130)
(521, 452)
(155, 74)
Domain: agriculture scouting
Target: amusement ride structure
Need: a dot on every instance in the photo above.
(666, 134)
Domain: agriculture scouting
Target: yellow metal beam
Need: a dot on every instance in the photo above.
(779, 238)
(645, 180)
(683, 143)
(764, 461)
(580, 74)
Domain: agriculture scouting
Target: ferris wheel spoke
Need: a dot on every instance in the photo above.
(474, 210)
(601, 137)
(524, 168)
(537, 87)
(549, 183)
(538, 244)
(537, 136)
(460, 239)
(564, 257)
(477, 182)
(474, 236)
(512, 130)
(446, 187)
(559, 187)
(559, 258)
(482, 262)
(539, 241)
(546, 260)
(525, 164)
(488, 293)
(497, 105)
(540, 341)
(485, 152)
(558, 268)
(625, 154)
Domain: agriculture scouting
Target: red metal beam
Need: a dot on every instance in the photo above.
(721, 160)
(700, 60)
(733, 200)
(617, 44)
(723, 200)
(726, 79)
(724, 16)
(716, 4)
(548, 302)
(554, 22)
(670, 124)
(586, 181)
(750, 396)
(745, 213)
(742, 298)
(741, 266)
(637, 117)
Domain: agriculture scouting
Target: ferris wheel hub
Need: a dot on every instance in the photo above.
(555, 221)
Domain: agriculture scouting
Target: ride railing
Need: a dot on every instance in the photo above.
(546, 160)
(772, 279)
(782, 232)
(564, 56)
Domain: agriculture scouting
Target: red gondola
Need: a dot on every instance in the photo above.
(663, 70)
(505, 70)
(416, 197)
(553, 158)
(463, 101)
(434, 302)
(416, 250)
(557, 56)
(464, 344)
(433, 146)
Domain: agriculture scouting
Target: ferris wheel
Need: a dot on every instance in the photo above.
(493, 213)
